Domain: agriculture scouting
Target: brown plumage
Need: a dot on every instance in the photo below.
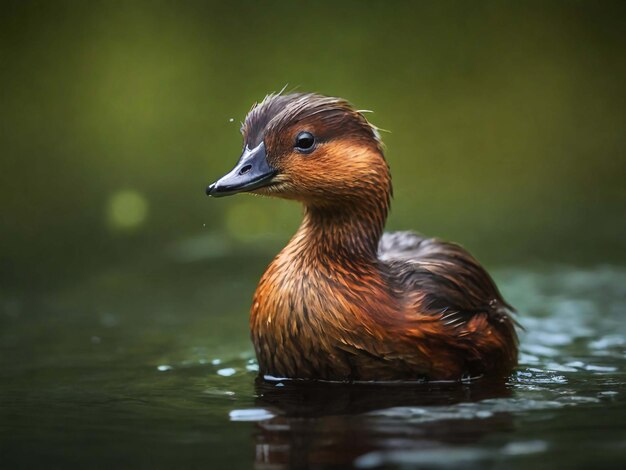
(342, 301)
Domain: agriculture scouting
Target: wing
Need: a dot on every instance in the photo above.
(444, 284)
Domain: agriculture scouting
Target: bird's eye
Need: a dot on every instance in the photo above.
(305, 142)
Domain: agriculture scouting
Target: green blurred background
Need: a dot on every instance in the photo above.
(506, 124)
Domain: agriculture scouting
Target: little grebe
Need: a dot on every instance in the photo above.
(343, 301)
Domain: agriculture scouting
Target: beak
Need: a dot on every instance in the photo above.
(251, 172)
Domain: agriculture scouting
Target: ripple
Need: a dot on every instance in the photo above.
(525, 358)
(252, 414)
(524, 448)
(479, 410)
(218, 393)
(556, 367)
(444, 456)
(578, 399)
(609, 341)
(534, 375)
(227, 372)
(595, 368)
(540, 350)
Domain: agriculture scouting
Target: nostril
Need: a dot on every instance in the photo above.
(245, 169)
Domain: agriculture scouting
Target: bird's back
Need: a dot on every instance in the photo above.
(441, 281)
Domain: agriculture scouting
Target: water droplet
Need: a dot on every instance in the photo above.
(164, 368)
(231, 120)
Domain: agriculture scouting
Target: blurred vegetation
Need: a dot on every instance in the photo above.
(506, 124)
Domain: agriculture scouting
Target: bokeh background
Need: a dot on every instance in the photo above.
(506, 124)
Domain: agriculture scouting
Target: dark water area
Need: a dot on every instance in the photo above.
(150, 365)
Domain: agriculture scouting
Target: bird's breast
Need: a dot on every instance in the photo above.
(323, 324)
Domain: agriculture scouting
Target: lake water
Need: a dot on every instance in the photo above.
(150, 365)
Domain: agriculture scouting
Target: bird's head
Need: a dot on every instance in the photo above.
(308, 147)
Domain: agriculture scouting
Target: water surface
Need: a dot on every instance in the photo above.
(150, 364)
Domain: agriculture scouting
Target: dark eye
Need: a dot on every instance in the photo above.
(305, 142)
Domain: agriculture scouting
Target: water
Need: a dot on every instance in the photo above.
(150, 364)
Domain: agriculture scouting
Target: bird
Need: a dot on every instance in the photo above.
(343, 301)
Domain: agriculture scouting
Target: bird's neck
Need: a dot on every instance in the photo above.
(338, 234)
(350, 230)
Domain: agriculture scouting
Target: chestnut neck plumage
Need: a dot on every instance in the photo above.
(330, 232)
(349, 227)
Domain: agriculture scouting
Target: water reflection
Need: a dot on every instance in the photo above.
(321, 424)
